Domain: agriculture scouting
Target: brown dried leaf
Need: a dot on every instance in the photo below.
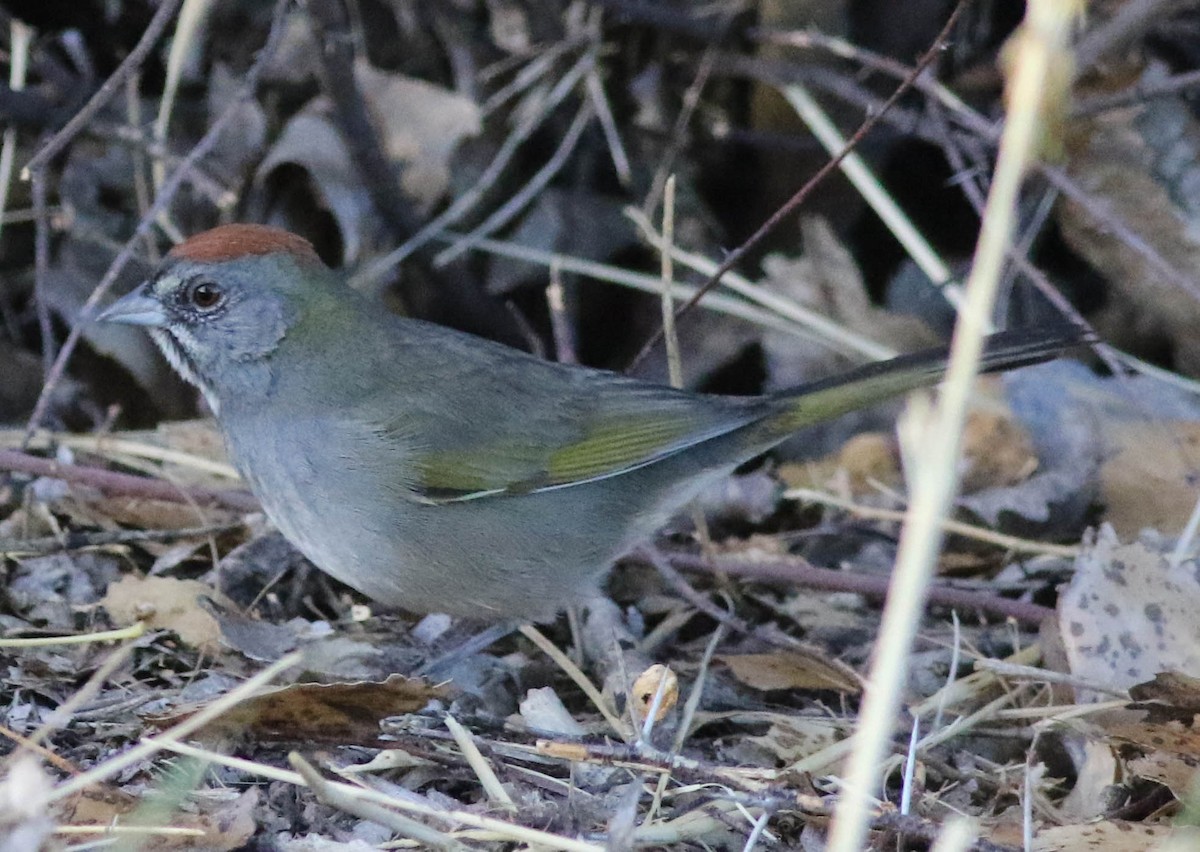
(1172, 688)
(314, 712)
(789, 737)
(1147, 478)
(863, 461)
(1176, 772)
(140, 513)
(791, 670)
(165, 603)
(997, 451)
(421, 126)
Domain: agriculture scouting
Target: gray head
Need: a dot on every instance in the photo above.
(222, 302)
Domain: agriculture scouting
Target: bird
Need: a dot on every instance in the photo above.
(436, 471)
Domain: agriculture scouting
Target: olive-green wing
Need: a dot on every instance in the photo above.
(580, 438)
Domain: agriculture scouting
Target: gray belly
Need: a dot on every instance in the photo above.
(504, 557)
(518, 557)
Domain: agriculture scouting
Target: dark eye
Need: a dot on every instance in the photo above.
(205, 295)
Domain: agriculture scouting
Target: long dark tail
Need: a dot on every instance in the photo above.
(876, 382)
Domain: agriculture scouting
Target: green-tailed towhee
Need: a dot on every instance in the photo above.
(437, 471)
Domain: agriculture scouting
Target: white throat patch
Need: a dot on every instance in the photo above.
(174, 345)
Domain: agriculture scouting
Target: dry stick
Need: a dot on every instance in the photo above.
(930, 86)
(1008, 542)
(133, 631)
(776, 218)
(608, 124)
(209, 186)
(1014, 671)
(10, 547)
(459, 207)
(664, 567)
(812, 38)
(131, 63)
(948, 142)
(1021, 262)
(141, 164)
(972, 686)
(1094, 207)
(1038, 77)
(337, 63)
(685, 723)
(128, 452)
(855, 169)
(183, 38)
(796, 571)
(560, 323)
(19, 38)
(147, 748)
(336, 796)
(581, 680)
(41, 265)
(510, 831)
(165, 196)
(533, 70)
(495, 791)
(46, 754)
(985, 130)
(124, 484)
(527, 193)
(62, 714)
(817, 325)
(691, 100)
(718, 302)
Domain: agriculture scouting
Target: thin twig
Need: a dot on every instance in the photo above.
(667, 270)
(19, 38)
(581, 680)
(162, 202)
(527, 193)
(147, 748)
(123, 484)
(776, 218)
(565, 351)
(459, 207)
(336, 796)
(1131, 20)
(1036, 85)
(652, 284)
(1102, 214)
(796, 571)
(1139, 92)
(608, 124)
(483, 770)
(72, 540)
(1011, 543)
(507, 830)
(41, 269)
(131, 63)
(61, 714)
(332, 26)
(691, 100)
